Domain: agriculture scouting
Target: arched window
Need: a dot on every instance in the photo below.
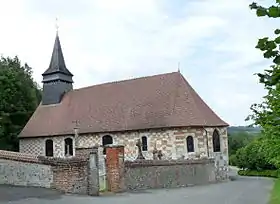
(68, 147)
(144, 143)
(49, 148)
(190, 144)
(216, 141)
(106, 140)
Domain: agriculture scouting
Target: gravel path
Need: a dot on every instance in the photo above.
(245, 190)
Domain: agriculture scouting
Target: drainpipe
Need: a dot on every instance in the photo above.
(207, 145)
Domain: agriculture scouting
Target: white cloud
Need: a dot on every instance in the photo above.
(106, 40)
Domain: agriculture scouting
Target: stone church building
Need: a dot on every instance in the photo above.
(163, 111)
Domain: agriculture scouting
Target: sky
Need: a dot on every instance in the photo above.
(109, 40)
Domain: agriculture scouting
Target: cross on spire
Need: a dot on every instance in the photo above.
(76, 122)
(56, 25)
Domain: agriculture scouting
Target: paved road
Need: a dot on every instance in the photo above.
(241, 191)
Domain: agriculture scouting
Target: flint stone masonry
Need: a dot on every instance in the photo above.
(69, 175)
(23, 174)
(36, 146)
(172, 142)
(141, 175)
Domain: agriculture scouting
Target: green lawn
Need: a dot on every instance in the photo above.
(275, 193)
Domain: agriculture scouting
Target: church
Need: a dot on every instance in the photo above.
(163, 111)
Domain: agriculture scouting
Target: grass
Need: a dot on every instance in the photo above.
(275, 193)
(262, 173)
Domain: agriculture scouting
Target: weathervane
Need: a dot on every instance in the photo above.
(179, 67)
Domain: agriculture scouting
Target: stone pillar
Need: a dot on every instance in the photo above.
(93, 175)
(102, 170)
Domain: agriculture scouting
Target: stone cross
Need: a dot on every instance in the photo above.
(67, 150)
(76, 131)
(77, 123)
(155, 151)
(140, 154)
(160, 155)
(56, 25)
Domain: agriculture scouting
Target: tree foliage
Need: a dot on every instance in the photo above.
(264, 153)
(267, 114)
(254, 156)
(19, 97)
(238, 140)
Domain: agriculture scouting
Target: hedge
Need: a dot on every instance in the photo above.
(263, 173)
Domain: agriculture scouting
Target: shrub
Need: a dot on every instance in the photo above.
(254, 157)
(233, 160)
(263, 173)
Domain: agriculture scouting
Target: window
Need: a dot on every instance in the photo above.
(144, 143)
(49, 148)
(106, 140)
(190, 144)
(216, 141)
(68, 147)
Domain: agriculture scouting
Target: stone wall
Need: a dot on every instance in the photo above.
(172, 142)
(69, 175)
(168, 174)
(24, 170)
(36, 146)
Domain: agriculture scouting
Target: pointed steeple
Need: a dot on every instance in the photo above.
(57, 64)
(57, 79)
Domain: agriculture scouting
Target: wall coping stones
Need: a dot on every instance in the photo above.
(150, 163)
(29, 158)
(17, 156)
(73, 161)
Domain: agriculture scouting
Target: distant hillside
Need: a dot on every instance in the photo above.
(235, 129)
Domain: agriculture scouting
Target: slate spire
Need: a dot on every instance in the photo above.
(57, 64)
(57, 79)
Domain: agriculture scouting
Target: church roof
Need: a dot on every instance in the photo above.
(160, 101)
(57, 64)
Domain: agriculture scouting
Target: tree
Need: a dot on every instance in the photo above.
(267, 114)
(238, 140)
(19, 97)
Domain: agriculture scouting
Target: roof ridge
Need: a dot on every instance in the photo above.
(125, 80)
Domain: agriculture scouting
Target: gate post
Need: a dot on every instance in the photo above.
(93, 174)
(115, 168)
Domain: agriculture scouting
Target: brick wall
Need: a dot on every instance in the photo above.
(168, 174)
(84, 152)
(69, 175)
(114, 168)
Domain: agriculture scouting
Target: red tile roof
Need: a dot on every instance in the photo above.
(160, 101)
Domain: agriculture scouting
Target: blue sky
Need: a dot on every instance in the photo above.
(109, 40)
